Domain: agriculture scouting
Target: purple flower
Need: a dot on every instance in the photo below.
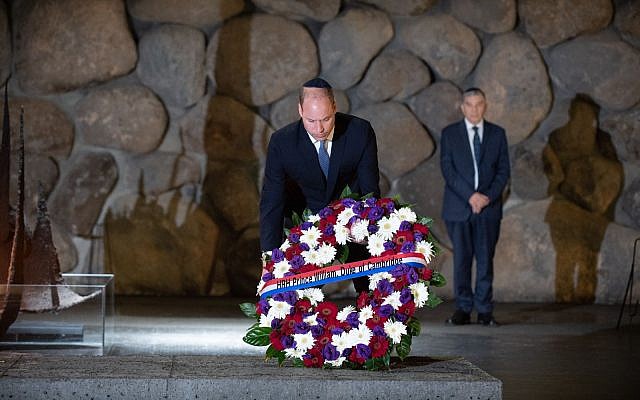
(400, 270)
(405, 226)
(376, 213)
(277, 255)
(374, 303)
(408, 247)
(363, 351)
(352, 319)
(297, 261)
(389, 245)
(353, 219)
(402, 317)
(275, 323)
(306, 225)
(264, 306)
(328, 230)
(304, 246)
(290, 297)
(321, 321)
(287, 342)
(337, 331)
(346, 352)
(267, 277)
(330, 352)
(405, 296)
(390, 207)
(412, 276)
(372, 228)
(417, 236)
(371, 201)
(317, 331)
(294, 237)
(301, 327)
(348, 202)
(378, 330)
(386, 310)
(325, 212)
(385, 287)
(358, 208)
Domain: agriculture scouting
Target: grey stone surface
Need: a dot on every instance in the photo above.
(67, 44)
(38, 170)
(614, 262)
(528, 179)
(403, 143)
(437, 106)
(242, 262)
(623, 128)
(344, 61)
(285, 110)
(447, 45)
(172, 63)
(584, 66)
(514, 78)
(5, 45)
(129, 118)
(403, 7)
(231, 377)
(492, 16)
(550, 22)
(67, 252)
(627, 20)
(198, 13)
(260, 58)
(78, 199)
(394, 74)
(319, 10)
(630, 200)
(162, 171)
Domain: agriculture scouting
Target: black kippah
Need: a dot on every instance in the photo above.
(317, 83)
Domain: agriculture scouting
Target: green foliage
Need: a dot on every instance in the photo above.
(426, 221)
(272, 352)
(437, 279)
(257, 336)
(413, 326)
(298, 362)
(404, 347)
(306, 214)
(249, 309)
(295, 218)
(433, 300)
(376, 364)
(343, 254)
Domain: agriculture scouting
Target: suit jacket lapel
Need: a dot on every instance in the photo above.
(464, 139)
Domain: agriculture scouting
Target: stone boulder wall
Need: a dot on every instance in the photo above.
(437, 106)
(630, 200)
(343, 64)
(403, 7)
(528, 178)
(5, 45)
(152, 252)
(159, 172)
(197, 13)
(260, 58)
(513, 75)
(39, 171)
(623, 128)
(129, 118)
(491, 16)
(67, 44)
(319, 10)
(550, 22)
(614, 265)
(627, 21)
(583, 66)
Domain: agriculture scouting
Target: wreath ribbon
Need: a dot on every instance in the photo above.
(340, 272)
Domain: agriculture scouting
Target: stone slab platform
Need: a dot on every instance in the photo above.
(27, 376)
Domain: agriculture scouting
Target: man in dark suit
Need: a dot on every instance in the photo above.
(310, 161)
(475, 164)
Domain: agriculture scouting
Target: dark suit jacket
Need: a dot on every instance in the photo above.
(456, 161)
(294, 181)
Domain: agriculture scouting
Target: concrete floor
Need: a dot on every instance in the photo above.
(541, 351)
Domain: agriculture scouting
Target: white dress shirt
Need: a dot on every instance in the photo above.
(316, 142)
(470, 134)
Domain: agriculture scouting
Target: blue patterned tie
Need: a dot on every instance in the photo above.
(476, 146)
(323, 158)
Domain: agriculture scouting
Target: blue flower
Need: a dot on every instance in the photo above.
(317, 331)
(275, 323)
(405, 226)
(328, 230)
(363, 351)
(267, 277)
(371, 201)
(337, 331)
(301, 327)
(417, 236)
(385, 287)
(325, 212)
(405, 296)
(288, 342)
(389, 245)
(330, 352)
(378, 330)
(352, 319)
(386, 310)
(412, 276)
(277, 255)
(408, 247)
(402, 317)
(294, 238)
(297, 261)
(372, 228)
(290, 297)
(348, 202)
(376, 213)
(306, 225)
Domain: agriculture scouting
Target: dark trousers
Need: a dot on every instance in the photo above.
(358, 252)
(476, 237)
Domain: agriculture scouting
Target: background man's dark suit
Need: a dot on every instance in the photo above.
(293, 179)
(481, 236)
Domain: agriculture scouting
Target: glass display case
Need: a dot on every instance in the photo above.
(75, 317)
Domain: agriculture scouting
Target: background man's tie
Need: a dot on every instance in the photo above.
(323, 158)
(476, 146)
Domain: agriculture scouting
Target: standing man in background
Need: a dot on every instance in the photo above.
(310, 161)
(474, 160)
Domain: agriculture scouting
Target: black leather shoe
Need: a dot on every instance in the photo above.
(487, 319)
(459, 318)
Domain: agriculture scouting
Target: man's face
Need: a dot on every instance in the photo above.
(473, 108)
(318, 115)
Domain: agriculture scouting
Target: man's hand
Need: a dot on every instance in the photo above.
(478, 201)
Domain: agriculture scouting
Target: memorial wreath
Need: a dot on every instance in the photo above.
(295, 321)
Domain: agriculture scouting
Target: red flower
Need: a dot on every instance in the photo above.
(315, 359)
(293, 250)
(269, 266)
(307, 268)
(289, 323)
(400, 283)
(329, 239)
(274, 338)
(379, 346)
(363, 300)
(421, 228)
(403, 236)
(385, 202)
(426, 273)
(408, 308)
(302, 306)
(327, 310)
(376, 320)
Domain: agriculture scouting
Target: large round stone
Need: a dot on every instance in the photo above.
(630, 200)
(448, 46)
(403, 7)
(623, 128)
(260, 58)
(514, 79)
(491, 16)
(394, 74)
(349, 42)
(319, 10)
(616, 253)
(129, 118)
(627, 21)
(437, 106)
(584, 66)
(403, 143)
(285, 110)
(550, 22)
(77, 201)
(593, 182)
(528, 179)
(159, 172)
(198, 13)
(67, 252)
(5, 45)
(67, 44)
(39, 170)
(172, 63)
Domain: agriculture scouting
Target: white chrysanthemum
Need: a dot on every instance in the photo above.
(359, 230)
(265, 320)
(344, 313)
(395, 330)
(375, 246)
(314, 218)
(420, 293)
(311, 257)
(345, 215)
(387, 226)
(365, 314)
(342, 234)
(304, 341)
(406, 214)
(279, 309)
(393, 300)
(375, 278)
(337, 362)
(341, 341)
(326, 253)
(311, 236)
(280, 268)
(426, 249)
(284, 246)
(294, 353)
(311, 319)
(314, 295)
(361, 335)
